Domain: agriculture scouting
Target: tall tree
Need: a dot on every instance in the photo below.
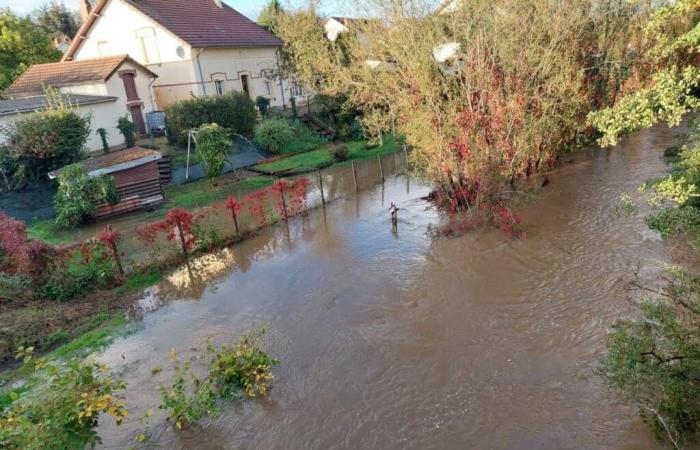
(22, 43)
(268, 16)
(56, 19)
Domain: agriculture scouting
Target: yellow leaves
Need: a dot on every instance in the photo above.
(173, 355)
(178, 424)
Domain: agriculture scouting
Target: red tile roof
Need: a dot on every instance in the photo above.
(39, 76)
(199, 23)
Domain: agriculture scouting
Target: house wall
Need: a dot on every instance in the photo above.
(102, 115)
(105, 115)
(122, 29)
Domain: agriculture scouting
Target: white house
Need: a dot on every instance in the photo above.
(196, 47)
(105, 88)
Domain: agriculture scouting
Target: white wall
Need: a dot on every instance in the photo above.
(119, 30)
(102, 115)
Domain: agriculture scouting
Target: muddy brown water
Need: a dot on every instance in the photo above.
(399, 340)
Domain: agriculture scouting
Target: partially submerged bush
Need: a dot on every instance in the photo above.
(654, 360)
(233, 111)
(241, 367)
(274, 133)
(63, 408)
(214, 145)
(340, 152)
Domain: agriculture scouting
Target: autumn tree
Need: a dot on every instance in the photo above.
(480, 107)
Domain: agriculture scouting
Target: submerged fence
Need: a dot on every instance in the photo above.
(37, 269)
(219, 224)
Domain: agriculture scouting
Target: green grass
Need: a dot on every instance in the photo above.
(48, 231)
(201, 193)
(309, 161)
(305, 141)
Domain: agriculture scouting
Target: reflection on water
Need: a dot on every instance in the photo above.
(393, 339)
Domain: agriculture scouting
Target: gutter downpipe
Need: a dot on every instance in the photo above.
(279, 73)
(201, 74)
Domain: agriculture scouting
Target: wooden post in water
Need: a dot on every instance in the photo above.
(381, 169)
(320, 183)
(405, 157)
(354, 174)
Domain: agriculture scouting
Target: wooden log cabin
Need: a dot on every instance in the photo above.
(136, 175)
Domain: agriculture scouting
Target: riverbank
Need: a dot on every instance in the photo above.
(45, 325)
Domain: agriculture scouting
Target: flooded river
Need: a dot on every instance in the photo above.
(399, 340)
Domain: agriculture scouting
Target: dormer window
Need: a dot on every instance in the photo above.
(149, 48)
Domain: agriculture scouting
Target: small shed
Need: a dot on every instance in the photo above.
(136, 176)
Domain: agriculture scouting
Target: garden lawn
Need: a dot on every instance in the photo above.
(317, 159)
(202, 193)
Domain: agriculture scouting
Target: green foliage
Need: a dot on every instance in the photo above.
(22, 43)
(273, 133)
(63, 410)
(127, 129)
(214, 145)
(295, 111)
(655, 360)
(189, 399)
(679, 193)
(320, 158)
(233, 111)
(78, 195)
(81, 275)
(263, 104)
(268, 16)
(103, 137)
(56, 19)
(668, 100)
(672, 40)
(47, 139)
(242, 366)
(626, 206)
(340, 152)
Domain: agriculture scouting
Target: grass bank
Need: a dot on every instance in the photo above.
(321, 158)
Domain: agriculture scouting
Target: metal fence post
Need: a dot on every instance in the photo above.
(320, 183)
(354, 174)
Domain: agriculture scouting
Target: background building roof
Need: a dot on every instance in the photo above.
(29, 104)
(199, 23)
(40, 76)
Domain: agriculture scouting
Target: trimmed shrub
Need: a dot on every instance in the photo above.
(263, 104)
(233, 111)
(274, 133)
(127, 129)
(340, 152)
(214, 144)
(47, 139)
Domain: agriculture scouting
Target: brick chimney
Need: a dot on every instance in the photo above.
(85, 8)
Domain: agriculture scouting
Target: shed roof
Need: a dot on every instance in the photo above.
(199, 23)
(115, 161)
(39, 76)
(34, 103)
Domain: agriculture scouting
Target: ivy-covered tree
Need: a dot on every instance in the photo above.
(22, 43)
(268, 16)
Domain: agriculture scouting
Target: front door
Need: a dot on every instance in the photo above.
(244, 82)
(137, 118)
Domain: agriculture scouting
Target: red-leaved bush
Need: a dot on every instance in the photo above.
(176, 225)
